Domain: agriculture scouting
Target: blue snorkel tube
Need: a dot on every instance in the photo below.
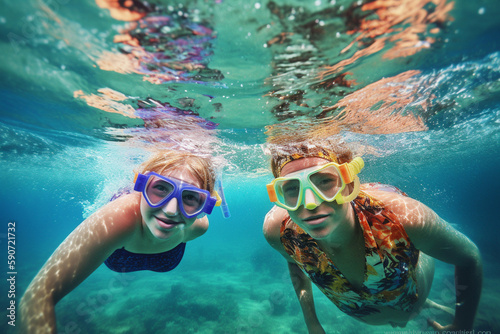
(223, 205)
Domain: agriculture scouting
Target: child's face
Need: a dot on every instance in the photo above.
(326, 218)
(168, 220)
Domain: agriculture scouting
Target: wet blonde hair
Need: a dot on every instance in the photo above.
(200, 167)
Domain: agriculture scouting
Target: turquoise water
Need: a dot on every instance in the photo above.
(77, 117)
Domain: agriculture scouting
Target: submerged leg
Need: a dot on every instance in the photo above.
(431, 304)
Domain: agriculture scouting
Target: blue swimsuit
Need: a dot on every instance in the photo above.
(124, 261)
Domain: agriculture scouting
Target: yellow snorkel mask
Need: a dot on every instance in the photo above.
(326, 182)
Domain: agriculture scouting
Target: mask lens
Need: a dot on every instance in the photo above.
(193, 201)
(288, 192)
(327, 181)
(158, 189)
